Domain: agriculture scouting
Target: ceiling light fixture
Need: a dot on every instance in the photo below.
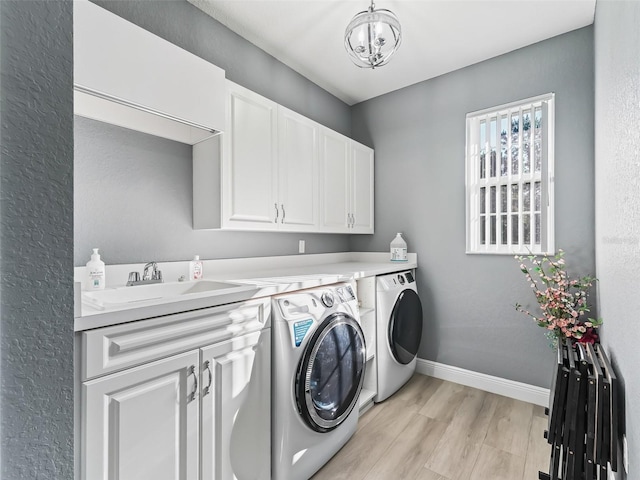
(372, 37)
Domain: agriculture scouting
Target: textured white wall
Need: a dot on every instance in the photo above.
(617, 140)
(36, 247)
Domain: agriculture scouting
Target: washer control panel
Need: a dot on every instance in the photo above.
(314, 303)
(327, 299)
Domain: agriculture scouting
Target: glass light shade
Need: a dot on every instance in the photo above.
(372, 37)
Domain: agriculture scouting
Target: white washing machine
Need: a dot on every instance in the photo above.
(318, 361)
(398, 331)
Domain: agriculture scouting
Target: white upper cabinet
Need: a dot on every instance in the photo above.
(346, 183)
(249, 162)
(269, 165)
(297, 171)
(334, 181)
(361, 186)
(281, 171)
(129, 77)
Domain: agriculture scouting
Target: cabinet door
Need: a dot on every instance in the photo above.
(249, 162)
(334, 182)
(143, 423)
(361, 189)
(298, 171)
(236, 408)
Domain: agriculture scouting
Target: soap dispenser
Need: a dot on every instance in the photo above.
(95, 272)
(195, 268)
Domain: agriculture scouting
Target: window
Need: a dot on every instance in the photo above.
(509, 178)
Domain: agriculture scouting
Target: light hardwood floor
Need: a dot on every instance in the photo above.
(437, 430)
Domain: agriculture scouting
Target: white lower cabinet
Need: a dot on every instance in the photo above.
(143, 423)
(235, 423)
(202, 414)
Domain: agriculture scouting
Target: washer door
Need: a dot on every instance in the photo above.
(405, 327)
(331, 372)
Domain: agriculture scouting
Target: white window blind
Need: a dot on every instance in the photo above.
(509, 178)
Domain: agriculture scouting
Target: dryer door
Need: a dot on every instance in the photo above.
(330, 373)
(405, 327)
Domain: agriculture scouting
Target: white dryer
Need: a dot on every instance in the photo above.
(398, 331)
(318, 361)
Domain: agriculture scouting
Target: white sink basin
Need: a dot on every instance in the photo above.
(157, 292)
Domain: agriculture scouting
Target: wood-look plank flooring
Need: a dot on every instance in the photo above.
(437, 430)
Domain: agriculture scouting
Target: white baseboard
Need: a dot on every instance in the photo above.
(482, 381)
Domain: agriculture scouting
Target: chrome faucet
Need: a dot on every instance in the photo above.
(150, 271)
(150, 274)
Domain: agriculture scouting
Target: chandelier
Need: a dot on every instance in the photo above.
(372, 37)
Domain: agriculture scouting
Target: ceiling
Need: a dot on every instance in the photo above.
(439, 36)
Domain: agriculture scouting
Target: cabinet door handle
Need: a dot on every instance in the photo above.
(353, 220)
(283, 212)
(206, 390)
(192, 371)
(350, 222)
(276, 207)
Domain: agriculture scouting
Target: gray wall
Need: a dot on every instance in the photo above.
(36, 240)
(133, 196)
(617, 114)
(134, 200)
(419, 138)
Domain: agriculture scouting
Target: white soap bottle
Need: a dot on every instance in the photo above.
(95, 272)
(195, 268)
(398, 249)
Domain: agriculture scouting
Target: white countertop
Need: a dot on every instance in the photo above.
(256, 277)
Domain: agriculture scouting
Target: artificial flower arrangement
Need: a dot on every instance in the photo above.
(562, 300)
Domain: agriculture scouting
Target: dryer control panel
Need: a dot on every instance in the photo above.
(396, 280)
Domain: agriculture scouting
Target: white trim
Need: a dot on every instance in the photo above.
(478, 179)
(482, 381)
(505, 107)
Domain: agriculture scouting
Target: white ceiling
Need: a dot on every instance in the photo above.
(439, 36)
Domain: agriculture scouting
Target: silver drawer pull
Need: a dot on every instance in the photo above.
(206, 390)
(275, 220)
(283, 212)
(192, 371)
